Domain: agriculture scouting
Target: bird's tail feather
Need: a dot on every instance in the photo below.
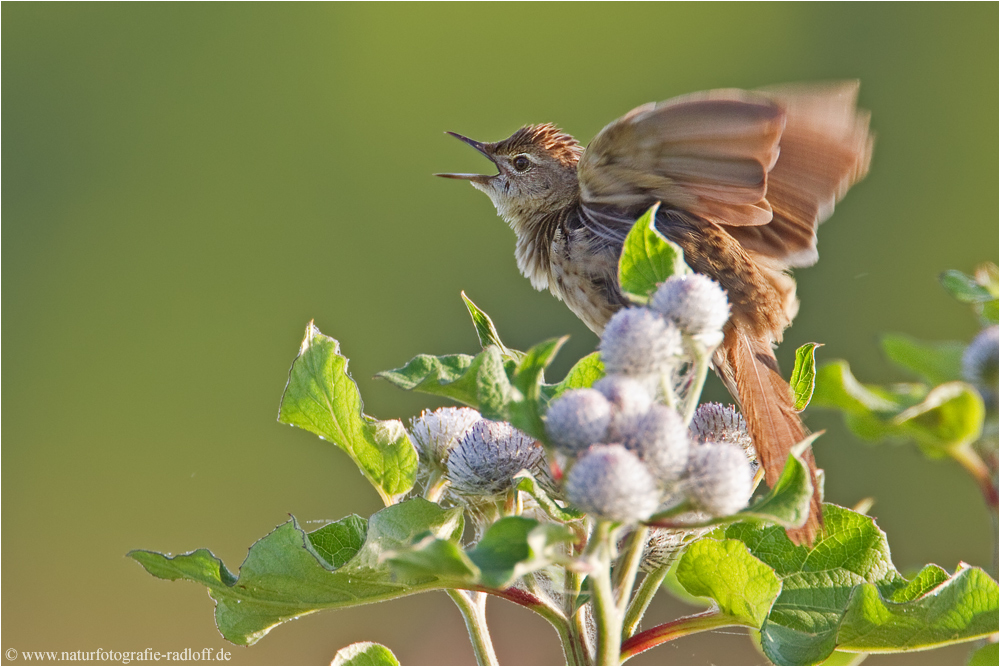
(748, 368)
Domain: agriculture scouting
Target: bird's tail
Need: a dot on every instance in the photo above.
(747, 366)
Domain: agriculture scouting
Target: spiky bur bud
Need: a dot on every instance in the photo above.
(664, 545)
(636, 342)
(695, 303)
(630, 400)
(578, 419)
(980, 363)
(720, 480)
(487, 457)
(660, 439)
(714, 422)
(436, 433)
(610, 482)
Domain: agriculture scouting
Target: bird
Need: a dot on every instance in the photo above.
(743, 179)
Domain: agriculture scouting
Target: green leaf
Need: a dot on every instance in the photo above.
(648, 258)
(452, 376)
(724, 570)
(868, 409)
(487, 332)
(803, 380)
(951, 416)
(582, 375)
(844, 593)
(528, 484)
(338, 542)
(989, 312)
(965, 288)
(365, 654)
(494, 392)
(510, 548)
(321, 397)
(515, 546)
(985, 655)
(284, 576)
(934, 362)
(480, 382)
(526, 410)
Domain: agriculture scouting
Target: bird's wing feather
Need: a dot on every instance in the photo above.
(708, 154)
(825, 148)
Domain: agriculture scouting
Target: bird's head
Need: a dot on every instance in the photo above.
(537, 172)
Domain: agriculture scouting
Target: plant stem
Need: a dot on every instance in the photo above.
(473, 607)
(435, 486)
(970, 460)
(609, 620)
(577, 620)
(628, 566)
(681, 627)
(701, 359)
(640, 603)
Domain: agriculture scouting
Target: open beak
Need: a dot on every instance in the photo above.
(479, 146)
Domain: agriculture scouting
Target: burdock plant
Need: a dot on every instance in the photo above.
(586, 494)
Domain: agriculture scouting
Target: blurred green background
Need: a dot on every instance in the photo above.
(185, 186)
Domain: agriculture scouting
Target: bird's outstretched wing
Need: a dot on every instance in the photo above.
(766, 165)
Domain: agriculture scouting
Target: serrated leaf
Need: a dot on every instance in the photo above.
(951, 416)
(844, 593)
(934, 362)
(510, 548)
(648, 258)
(965, 288)
(365, 654)
(451, 376)
(321, 397)
(487, 331)
(724, 570)
(284, 576)
(526, 410)
(803, 379)
(582, 375)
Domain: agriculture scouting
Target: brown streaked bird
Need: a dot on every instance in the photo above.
(744, 178)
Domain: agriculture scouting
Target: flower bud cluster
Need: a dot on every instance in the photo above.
(629, 453)
(477, 456)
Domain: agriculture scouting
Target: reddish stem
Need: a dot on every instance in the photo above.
(687, 625)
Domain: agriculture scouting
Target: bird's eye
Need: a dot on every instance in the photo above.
(521, 163)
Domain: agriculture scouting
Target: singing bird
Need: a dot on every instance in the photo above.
(743, 177)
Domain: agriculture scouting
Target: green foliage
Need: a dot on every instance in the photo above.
(487, 332)
(941, 420)
(322, 398)
(832, 602)
(724, 570)
(844, 593)
(980, 290)
(582, 375)
(803, 380)
(365, 654)
(510, 548)
(648, 258)
(285, 575)
(934, 363)
(985, 655)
